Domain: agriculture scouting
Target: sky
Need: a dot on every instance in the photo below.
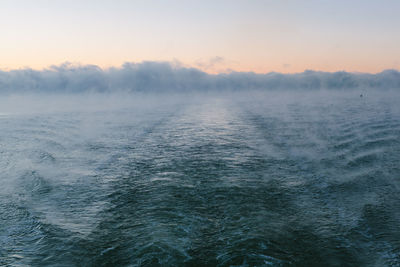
(287, 36)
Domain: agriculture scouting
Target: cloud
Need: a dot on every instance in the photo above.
(174, 77)
(215, 64)
(210, 64)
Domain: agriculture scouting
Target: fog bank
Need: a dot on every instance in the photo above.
(168, 77)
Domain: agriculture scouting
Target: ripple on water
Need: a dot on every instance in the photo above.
(213, 182)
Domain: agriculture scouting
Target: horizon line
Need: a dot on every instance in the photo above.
(178, 65)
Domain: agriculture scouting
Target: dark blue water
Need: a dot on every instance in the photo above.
(279, 179)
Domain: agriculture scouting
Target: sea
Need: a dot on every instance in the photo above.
(279, 178)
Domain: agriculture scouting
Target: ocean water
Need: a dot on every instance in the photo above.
(261, 179)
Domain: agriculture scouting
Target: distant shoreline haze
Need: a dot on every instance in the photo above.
(169, 77)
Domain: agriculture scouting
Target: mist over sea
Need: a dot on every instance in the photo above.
(249, 178)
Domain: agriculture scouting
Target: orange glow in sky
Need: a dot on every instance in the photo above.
(215, 36)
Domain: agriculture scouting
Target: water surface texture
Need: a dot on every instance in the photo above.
(305, 179)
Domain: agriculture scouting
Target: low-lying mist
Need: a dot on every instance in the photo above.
(158, 77)
(152, 164)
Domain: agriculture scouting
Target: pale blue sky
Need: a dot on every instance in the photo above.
(261, 36)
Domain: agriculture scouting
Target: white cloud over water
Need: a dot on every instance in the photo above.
(173, 77)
